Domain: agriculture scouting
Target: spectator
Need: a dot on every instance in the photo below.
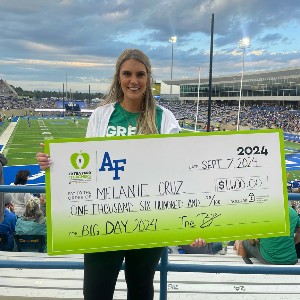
(295, 186)
(33, 220)
(3, 162)
(9, 223)
(20, 199)
(204, 248)
(42, 198)
(199, 246)
(276, 250)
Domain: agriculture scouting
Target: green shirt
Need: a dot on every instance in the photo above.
(123, 122)
(281, 250)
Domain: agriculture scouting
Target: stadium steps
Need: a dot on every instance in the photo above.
(50, 284)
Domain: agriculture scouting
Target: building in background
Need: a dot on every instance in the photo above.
(279, 87)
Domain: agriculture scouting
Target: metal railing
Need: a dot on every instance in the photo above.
(164, 266)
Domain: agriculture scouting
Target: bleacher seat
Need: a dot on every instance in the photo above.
(32, 243)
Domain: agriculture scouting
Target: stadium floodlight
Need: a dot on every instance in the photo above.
(172, 40)
(243, 44)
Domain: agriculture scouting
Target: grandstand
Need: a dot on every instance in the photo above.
(276, 87)
(7, 91)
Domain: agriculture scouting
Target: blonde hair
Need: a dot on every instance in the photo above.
(146, 123)
(32, 210)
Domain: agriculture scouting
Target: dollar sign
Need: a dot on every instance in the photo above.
(221, 185)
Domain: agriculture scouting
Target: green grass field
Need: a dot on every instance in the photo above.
(25, 142)
(289, 146)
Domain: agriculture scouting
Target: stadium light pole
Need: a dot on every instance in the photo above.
(63, 100)
(243, 44)
(172, 40)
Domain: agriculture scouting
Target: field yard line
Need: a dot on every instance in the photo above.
(4, 138)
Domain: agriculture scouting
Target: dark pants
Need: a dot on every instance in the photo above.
(253, 251)
(298, 249)
(101, 271)
(9, 245)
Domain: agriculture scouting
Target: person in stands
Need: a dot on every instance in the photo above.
(3, 162)
(20, 199)
(33, 220)
(8, 224)
(276, 250)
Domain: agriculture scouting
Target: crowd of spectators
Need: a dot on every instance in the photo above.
(272, 117)
(27, 103)
(264, 116)
(24, 214)
(47, 103)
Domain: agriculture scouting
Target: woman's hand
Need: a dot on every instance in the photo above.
(43, 159)
(198, 243)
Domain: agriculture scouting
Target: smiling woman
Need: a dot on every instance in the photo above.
(130, 109)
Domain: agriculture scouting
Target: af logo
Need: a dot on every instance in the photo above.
(114, 165)
(80, 160)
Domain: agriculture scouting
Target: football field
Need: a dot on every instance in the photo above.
(25, 141)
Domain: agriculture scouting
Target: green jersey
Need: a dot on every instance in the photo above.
(281, 250)
(123, 122)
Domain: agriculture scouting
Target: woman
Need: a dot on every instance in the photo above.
(20, 199)
(33, 220)
(129, 109)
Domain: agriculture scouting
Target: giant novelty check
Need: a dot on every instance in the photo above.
(106, 194)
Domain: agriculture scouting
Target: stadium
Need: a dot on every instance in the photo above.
(26, 123)
(270, 99)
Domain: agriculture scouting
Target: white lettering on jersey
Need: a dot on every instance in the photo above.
(120, 131)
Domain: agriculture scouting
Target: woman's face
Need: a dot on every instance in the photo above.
(133, 79)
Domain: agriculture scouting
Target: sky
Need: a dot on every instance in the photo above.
(45, 44)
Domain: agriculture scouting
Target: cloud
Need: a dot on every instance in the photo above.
(44, 40)
(47, 63)
(272, 37)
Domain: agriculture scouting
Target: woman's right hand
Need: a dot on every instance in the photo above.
(198, 243)
(43, 159)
